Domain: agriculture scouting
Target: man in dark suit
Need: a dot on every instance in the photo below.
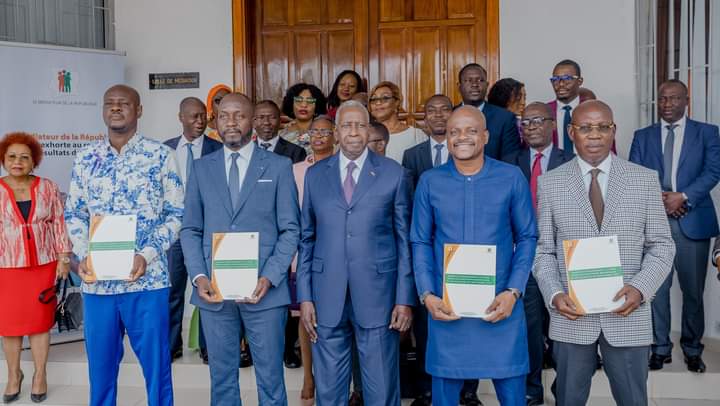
(541, 156)
(684, 153)
(354, 275)
(191, 145)
(501, 123)
(267, 125)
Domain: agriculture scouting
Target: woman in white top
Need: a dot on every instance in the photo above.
(384, 104)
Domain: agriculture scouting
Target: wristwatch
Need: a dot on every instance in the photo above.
(424, 296)
(515, 292)
(65, 260)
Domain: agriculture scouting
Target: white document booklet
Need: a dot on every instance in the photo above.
(112, 247)
(235, 265)
(469, 279)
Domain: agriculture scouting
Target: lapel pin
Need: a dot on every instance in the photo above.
(372, 173)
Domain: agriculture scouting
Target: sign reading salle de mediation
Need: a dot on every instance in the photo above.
(55, 93)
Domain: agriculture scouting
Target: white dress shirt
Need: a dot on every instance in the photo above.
(544, 161)
(560, 117)
(603, 176)
(444, 153)
(243, 161)
(273, 142)
(677, 145)
(181, 153)
(359, 162)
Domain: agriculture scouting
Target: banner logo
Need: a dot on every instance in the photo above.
(64, 81)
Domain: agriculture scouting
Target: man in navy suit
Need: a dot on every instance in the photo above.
(354, 273)
(242, 188)
(541, 156)
(501, 123)
(685, 154)
(267, 126)
(191, 145)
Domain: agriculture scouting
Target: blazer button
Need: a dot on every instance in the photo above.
(232, 227)
(349, 211)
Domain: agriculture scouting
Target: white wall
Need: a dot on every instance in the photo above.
(599, 35)
(173, 36)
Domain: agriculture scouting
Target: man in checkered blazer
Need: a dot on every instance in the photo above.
(598, 194)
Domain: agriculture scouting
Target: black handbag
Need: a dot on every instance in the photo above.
(69, 310)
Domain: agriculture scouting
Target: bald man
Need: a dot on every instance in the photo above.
(127, 174)
(598, 194)
(242, 188)
(474, 200)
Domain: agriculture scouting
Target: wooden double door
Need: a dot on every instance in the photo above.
(418, 44)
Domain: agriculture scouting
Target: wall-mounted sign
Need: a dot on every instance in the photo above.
(178, 80)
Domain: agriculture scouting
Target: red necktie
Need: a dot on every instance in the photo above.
(536, 171)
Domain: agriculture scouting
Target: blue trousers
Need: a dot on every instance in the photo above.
(144, 316)
(510, 391)
(379, 356)
(265, 332)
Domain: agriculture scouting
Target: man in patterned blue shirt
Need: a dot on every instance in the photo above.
(127, 174)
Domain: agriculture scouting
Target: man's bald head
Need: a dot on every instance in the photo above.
(190, 101)
(593, 107)
(538, 123)
(193, 117)
(592, 131)
(539, 107)
(124, 90)
(471, 113)
(121, 111)
(235, 120)
(467, 135)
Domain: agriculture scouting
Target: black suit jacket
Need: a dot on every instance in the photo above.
(417, 160)
(521, 158)
(502, 126)
(209, 145)
(290, 150)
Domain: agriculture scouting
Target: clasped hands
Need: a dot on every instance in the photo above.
(566, 306)
(500, 309)
(137, 270)
(674, 204)
(208, 294)
(400, 320)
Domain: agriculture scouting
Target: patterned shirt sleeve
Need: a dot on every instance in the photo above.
(77, 215)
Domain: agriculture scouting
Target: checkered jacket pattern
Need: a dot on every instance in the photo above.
(634, 212)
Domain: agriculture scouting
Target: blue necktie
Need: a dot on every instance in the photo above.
(567, 142)
(234, 181)
(189, 161)
(668, 158)
(438, 155)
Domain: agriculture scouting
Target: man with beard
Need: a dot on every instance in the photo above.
(267, 126)
(474, 199)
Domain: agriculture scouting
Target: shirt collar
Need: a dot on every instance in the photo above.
(680, 123)
(273, 141)
(546, 152)
(246, 152)
(573, 103)
(134, 140)
(604, 165)
(196, 142)
(433, 143)
(344, 161)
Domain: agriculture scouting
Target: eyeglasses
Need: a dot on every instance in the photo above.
(535, 121)
(603, 129)
(383, 99)
(320, 133)
(563, 78)
(349, 125)
(308, 100)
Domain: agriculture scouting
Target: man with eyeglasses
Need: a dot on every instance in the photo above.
(598, 194)
(354, 273)
(684, 152)
(539, 157)
(433, 152)
(378, 137)
(501, 123)
(267, 126)
(566, 81)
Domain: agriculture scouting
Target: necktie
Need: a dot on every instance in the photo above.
(266, 145)
(349, 182)
(536, 172)
(234, 181)
(189, 161)
(438, 155)
(668, 157)
(596, 199)
(567, 142)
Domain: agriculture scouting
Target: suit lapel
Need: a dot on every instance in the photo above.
(615, 191)
(688, 141)
(332, 173)
(219, 180)
(555, 159)
(426, 156)
(367, 178)
(523, 161)
(655, 148)
(254, 171)
(206, 149)
(280, 147)
(577, 187)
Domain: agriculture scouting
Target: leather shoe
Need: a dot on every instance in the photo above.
(356, 399)
(598, 362)
(534, 402)
(695, 364)
(204, 355)
(245, 358)
(470, 399)
(177, 354)
(422, 400)
(292, 361)
(657, 361)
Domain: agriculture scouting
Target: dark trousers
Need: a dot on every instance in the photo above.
(423, 380)
(178, 283)
(534, 315)
(691, 265)
(625, 367)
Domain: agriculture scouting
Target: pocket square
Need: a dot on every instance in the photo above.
(264, 180)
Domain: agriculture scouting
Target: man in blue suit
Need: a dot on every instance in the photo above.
(189, 146)
(242, 188)
(685, 154)
(501, 124)
(354, 276)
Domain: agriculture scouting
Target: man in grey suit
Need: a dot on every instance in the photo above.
(598, 194)
(242, 188)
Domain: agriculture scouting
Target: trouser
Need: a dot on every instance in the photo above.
(625, 367)
(534, 313)
(691, 265)
(264, 330)
(510, 391)
(144, 316)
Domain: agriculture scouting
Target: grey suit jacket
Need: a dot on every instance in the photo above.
(716, 250)
(634, 212)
